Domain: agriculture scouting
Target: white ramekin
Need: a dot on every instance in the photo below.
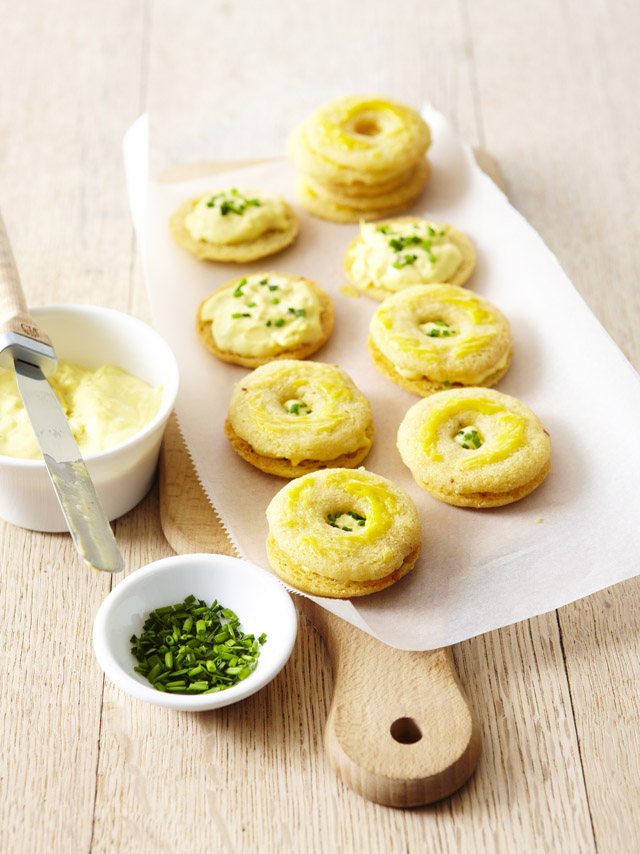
(92, 336)
(257, 597)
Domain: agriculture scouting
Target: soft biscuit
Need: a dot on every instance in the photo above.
(389, 256)
(474, 447)
(263, 316)
(397, 198)
(289, 418)
(233, 225)
(332, 203)
(430, 337)
(342, 533)
(360, 157)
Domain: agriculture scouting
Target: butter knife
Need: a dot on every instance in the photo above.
(28, 351)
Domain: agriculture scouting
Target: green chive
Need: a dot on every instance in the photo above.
(177, 659)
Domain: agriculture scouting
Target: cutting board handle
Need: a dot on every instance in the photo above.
(400, 730)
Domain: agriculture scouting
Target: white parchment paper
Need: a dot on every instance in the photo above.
(478, 569)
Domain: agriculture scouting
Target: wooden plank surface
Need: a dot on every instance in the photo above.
(550, 90)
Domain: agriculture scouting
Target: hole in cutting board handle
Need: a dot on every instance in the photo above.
(405, 730)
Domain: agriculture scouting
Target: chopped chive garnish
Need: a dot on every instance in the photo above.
(404, 261)
(334, 517)
(211, 665)
(279, 322)
(300, 408)
(468, 438)
(238, 290)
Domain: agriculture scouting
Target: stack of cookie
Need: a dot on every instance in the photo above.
(360, 158)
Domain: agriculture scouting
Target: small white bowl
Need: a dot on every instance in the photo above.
(92, 336)
(257, 597)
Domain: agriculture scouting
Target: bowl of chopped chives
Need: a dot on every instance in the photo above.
(195, 632)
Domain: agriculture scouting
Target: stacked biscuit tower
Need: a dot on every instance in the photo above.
(360, 158)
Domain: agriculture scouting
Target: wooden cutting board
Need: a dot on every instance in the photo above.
(411, 742)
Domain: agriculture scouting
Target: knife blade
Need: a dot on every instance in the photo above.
(26, 349)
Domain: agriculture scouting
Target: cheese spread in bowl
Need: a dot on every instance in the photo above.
(118, 381)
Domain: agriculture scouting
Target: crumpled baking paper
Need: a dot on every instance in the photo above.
(478, 569)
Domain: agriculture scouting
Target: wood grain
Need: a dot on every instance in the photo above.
(410, 744)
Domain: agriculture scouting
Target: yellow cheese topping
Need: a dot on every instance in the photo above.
(104, 407)
(232, 216)
(506, 437)
(264, 315)
(421, 340)
(329, 396)
(470, 379)
(381, 507)
(404, 254)
(360, 124)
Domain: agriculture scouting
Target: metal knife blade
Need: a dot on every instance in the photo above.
(76, 493)
(26, 349)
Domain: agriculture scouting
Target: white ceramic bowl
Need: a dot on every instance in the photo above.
(92, 336)
(257, 597)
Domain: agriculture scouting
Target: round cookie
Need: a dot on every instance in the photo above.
(234, 226)
(367, 133)
(360, 158)
(474, 447)
(331, 203)
(263, 316)
(342, 533)
(395, 254)
(399, 197)
(430, 337)
(353, 181)
(289, 418)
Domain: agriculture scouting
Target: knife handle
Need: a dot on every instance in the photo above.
(20, 336)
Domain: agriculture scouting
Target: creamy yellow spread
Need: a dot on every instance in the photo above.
(380, 503)
(104, 407)
(234, 216)
(508, 430)
(404, 254)
(476, 378)
(421, 346)
(359, 124)
(265, 314)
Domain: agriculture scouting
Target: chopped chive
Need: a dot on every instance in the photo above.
(178, 651)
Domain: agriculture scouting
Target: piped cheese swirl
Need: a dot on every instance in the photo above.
(300, 521)
(296, 410)
(367, 132)
(510, 447)
(442, 333)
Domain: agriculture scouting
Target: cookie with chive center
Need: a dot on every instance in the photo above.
(342, 533)
(291, 417)
(475, 447)
(430, 337)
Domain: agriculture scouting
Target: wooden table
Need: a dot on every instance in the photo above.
(550, 90)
